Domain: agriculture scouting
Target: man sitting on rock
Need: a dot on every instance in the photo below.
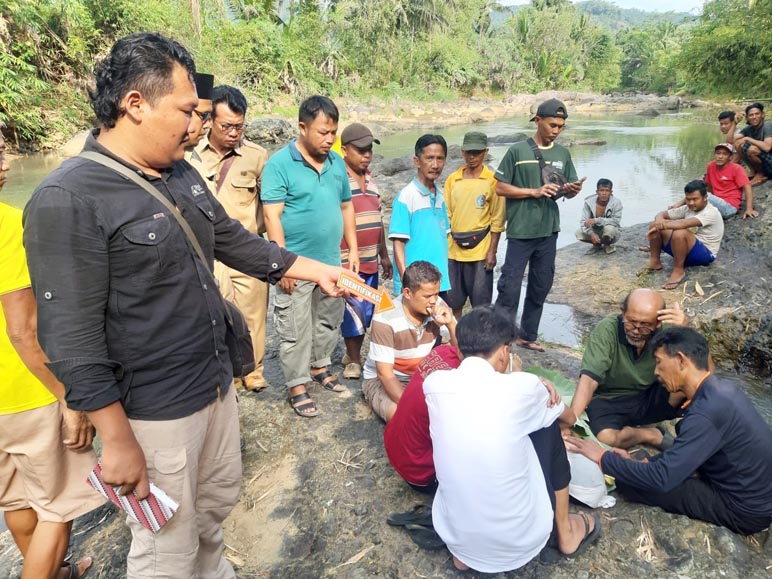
(617, 385)
(501, 463)
(755, 143)
(403, 336)
(722, 439)
(727, 182)
(601, 219)
(727, 124)
(671, 232)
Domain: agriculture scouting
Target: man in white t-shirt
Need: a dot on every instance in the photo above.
(500, 460)
(690, 233)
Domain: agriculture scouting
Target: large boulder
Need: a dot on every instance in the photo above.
(270, 132)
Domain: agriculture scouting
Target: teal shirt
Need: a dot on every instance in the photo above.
(531, 218)
(312, 219)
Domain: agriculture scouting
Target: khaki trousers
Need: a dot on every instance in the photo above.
(251, 297)
(196, 460)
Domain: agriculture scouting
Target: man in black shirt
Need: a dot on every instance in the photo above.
(755, 143)
(719, 469)
(131, 318)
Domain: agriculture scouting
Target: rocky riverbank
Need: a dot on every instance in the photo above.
(386, 116)
(316, 492)
(729, 301)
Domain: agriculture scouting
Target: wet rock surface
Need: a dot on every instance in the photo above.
(729, 301)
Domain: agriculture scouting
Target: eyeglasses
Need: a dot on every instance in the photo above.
(226, 128)
(643, 328)
(203, 116)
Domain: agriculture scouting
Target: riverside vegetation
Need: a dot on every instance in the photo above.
(279, 51)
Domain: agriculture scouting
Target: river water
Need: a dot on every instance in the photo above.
(648, 159)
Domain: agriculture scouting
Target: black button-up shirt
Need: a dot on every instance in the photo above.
(125, 309)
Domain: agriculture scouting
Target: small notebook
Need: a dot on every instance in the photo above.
(152, 512)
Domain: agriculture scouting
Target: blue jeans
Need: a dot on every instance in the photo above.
(724, 208)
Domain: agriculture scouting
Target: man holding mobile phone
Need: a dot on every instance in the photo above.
(533, 218)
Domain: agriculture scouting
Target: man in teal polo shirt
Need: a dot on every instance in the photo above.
(533, 218)
(308, 209)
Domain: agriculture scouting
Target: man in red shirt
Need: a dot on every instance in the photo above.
(406, 438)
(727, 181)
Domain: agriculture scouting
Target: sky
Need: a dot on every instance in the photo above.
(649, 5)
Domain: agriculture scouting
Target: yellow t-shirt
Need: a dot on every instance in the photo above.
(19, 389)
(473, 205)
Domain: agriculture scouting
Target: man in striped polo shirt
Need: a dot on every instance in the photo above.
(357, 147)
(404, 335)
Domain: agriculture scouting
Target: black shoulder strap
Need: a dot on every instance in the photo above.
(536, 152)
(173, 211)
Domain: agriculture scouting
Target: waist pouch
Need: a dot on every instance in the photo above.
(470, 239)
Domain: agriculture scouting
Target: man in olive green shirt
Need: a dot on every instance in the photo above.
(617, 384)
(533, 218)
(232, 167)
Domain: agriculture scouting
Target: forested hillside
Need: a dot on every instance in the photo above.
(418, 49)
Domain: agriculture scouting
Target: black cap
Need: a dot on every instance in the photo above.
(204, 85)
(551, 108)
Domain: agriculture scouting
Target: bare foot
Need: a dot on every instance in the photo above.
(758, 178)
(459, 565)
(82, 567)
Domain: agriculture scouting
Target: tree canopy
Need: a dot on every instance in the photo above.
(274, 49)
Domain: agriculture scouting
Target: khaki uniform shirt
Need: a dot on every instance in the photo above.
(239, 193)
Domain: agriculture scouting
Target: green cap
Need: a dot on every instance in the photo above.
(475, 141)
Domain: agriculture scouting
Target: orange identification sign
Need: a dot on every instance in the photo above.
(357, 287)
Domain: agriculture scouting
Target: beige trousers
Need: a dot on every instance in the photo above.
(196, 460)
(250, 295)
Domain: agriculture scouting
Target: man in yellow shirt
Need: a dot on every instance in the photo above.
(477, 218)
(42, 476)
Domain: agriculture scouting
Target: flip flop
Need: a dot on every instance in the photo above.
(72, 568)
(589, 536)
(298, 408)
(533, 346)
(425, 537)
(418, 515)
(332, 385)
(671, 285)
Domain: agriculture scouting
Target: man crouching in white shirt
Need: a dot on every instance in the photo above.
(501, 463)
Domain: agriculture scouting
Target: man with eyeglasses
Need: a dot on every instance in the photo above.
(617, 385)
(477, 217)
(232, 167)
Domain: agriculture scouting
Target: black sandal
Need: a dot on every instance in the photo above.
(298, 408)
(332, 385)
(418, 515)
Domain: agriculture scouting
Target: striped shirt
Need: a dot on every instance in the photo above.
(369, 223)
(394, 339)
